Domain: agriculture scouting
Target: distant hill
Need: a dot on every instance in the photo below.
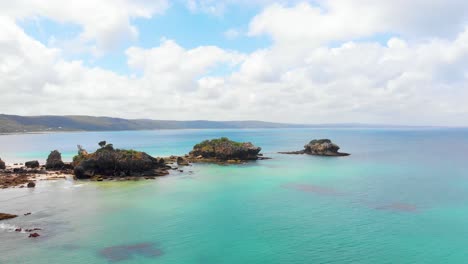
(21, 124)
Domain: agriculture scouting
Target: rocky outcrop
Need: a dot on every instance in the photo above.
(224, 150)
(11, 180)
(110, 162)
(4, 216)
(32, 164)
(319, 147)
(181, 161)
(2, 164)
(54, 161)
(31, 184)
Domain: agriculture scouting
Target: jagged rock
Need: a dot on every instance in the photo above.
(32, 230)
(319, 147)
(108, 161)
(4, 216)
(182, 161)
(223, 149)
(31, 184)
(33, 235)
(2, 164)
(54, 161)
(32, 164)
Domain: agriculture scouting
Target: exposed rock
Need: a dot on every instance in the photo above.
(223, 149)
(32, 164)
(54, 161)
(4, 216)
(320, 147)
(111, 162)
(32, 230)
(33, 235)
(31, 184)
(12, 180)
(182, 161)
(2, 164)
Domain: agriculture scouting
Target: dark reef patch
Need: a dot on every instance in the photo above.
(398, 207)
(125, 252)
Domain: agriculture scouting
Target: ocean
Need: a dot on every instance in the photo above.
(401, 197)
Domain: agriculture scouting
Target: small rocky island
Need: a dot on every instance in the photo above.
(224, 150)
(107, 163)
(319, 147)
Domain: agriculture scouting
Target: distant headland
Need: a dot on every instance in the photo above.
(14, 124)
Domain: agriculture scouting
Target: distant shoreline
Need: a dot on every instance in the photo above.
(266, 128)
(15, 124)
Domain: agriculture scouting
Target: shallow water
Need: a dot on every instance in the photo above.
(401, 197)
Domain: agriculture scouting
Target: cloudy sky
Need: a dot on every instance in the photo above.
(323, 61)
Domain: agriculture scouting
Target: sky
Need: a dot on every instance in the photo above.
(402, 62)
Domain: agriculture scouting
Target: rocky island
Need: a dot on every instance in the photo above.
(224, 150)
(319, 147)
(108, 162)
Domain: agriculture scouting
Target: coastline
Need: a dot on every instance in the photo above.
(18, 176)
(313, 127)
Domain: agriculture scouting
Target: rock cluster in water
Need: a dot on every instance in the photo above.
(32, 164)
(2, 164)
(224, 150)
(110, 162)
(320, 147)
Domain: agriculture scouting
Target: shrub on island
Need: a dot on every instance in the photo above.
(110, 162)
(225, 150)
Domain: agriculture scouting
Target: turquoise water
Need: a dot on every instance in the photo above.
(401, 197)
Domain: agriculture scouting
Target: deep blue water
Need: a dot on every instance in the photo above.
(401, 197)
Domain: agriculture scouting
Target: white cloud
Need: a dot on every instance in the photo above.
(340, 20)
(417, 77)
(104, 23)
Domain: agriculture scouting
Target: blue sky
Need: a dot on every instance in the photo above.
(188, 28)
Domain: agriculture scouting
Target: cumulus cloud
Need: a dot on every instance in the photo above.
(104, 23)
(418, 76)
(339, 20)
